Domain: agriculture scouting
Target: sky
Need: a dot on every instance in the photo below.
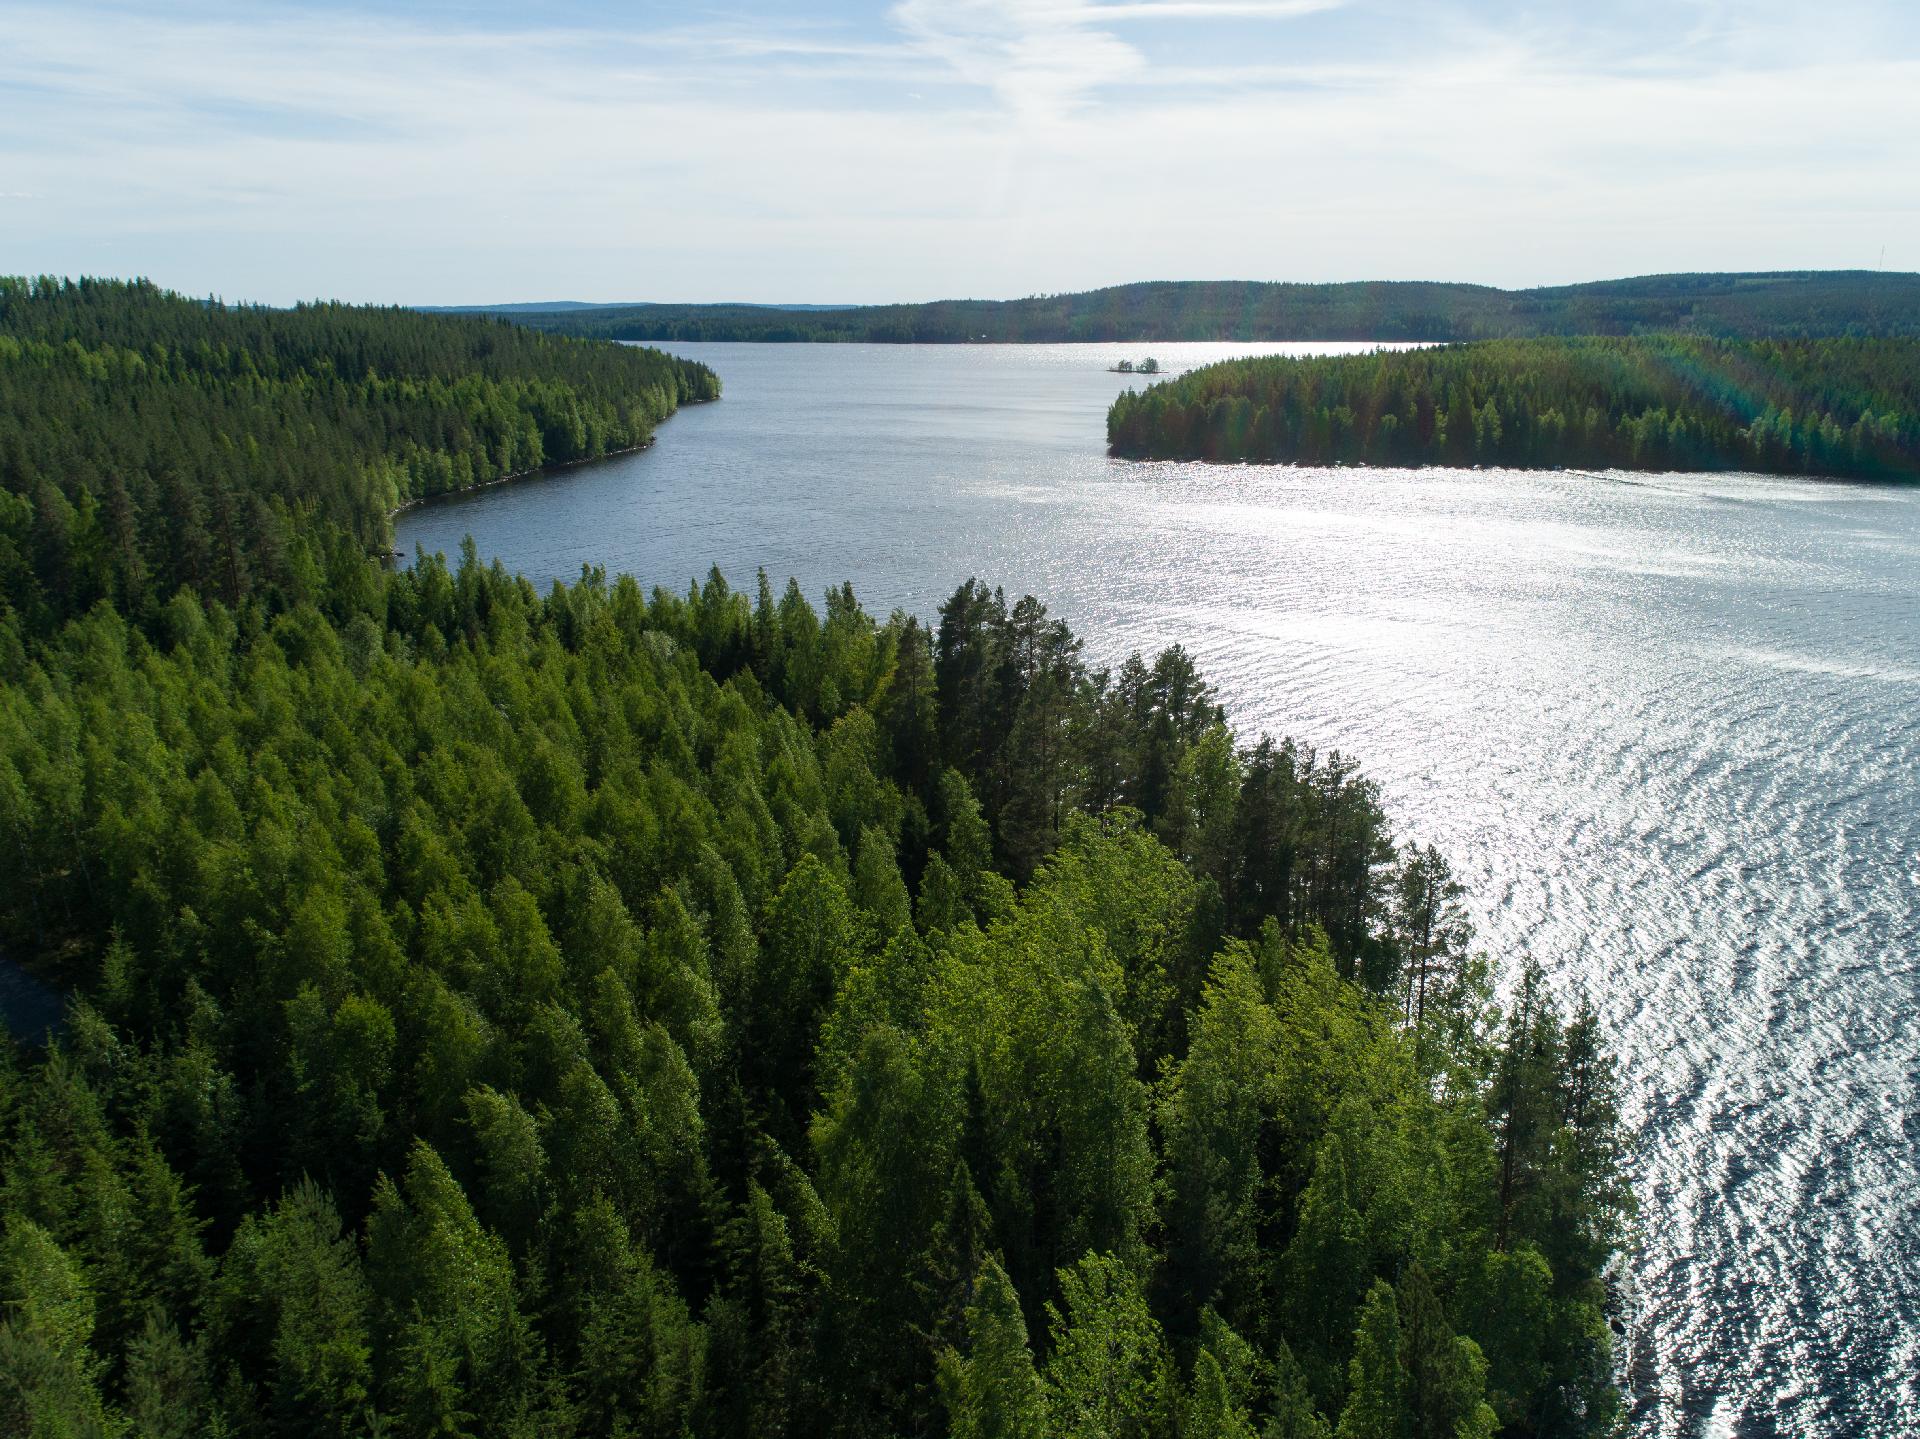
(447, 153)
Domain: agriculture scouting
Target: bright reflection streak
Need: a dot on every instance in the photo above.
(1663, 725)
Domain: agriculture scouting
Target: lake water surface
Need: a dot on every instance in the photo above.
(1667, 728)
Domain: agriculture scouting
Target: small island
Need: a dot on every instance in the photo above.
(1841, 407)
(1148, 366)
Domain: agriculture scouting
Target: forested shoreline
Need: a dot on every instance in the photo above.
(1804, 303)
(1817, 407)
(698, 1013)
(150, 441)
(508, 478)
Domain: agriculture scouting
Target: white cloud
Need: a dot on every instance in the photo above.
(1045, 57)
(1204, 9)
(1038, 57)
(280, 154)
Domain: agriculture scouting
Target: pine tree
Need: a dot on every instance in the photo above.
(991, 1391)
(1376, 1405)
(1109, 1375)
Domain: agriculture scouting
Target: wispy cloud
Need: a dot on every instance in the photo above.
(1043, 57)
(1037, 57)
(1204, 9)
(982, 147)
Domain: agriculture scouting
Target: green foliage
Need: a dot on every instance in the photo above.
(642, 1358)
(1820, 406)
(534, 1025)
(49, 1388)
(1412, 1377)
(1212, 1410)
(447, 1310)
(294, 1315)
(1324, 1272)
(1836, 302)
(502, 1014)
(992, 1391)
(1217, 1117)
(1377, 1400)
(149, 441)
(1109, 1376)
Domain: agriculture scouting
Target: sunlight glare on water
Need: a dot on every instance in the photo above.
(1666, 727)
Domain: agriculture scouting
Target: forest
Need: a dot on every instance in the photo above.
(659, 1013)
(1795, 304)
(1817, 407)
(150, 442)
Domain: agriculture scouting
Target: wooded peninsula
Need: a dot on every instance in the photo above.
(1775, 303)
(613, 1012)
(1817, 407)
(150, 442)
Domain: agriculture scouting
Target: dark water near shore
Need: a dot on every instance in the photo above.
(30, 1010)
(1666, 727)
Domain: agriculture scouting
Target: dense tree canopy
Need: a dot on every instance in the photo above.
(614, 1014)
(610, 1013)
(149, 441)
(1799, 303)
(1824, 407)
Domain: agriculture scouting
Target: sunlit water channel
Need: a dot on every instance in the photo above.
(1665, 726)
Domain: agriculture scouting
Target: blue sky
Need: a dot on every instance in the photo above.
(450, 152)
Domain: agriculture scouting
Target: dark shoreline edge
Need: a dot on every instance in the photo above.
(1623, 475)
(422, 501)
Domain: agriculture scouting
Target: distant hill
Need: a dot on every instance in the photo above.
(1783, 303)
(545, 307)
(525, 307)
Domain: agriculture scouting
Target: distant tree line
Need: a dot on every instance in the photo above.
(1820, 407)
(150, 441)
(1807, 303)
(604, 1013)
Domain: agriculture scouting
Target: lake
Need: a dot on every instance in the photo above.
(1667, 728)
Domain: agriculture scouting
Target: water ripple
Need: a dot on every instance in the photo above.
(1663, 724)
